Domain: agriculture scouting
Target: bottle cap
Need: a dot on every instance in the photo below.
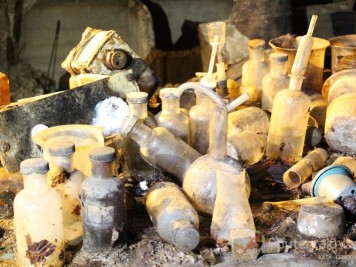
(257, 44)
(62, 148)
(102, 154)
(137, 98)
(34, 165)
(168, 93)
(128, 123)
(278, 57)
(185, 236)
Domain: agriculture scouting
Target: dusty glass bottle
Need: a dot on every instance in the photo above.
(254, 70)
(172, 116)
(38, 218)
(137, 102)
(172, 214)
(161, 148)
(199, 182)
(276, 80)
(199, 118)
(103, 202)
(66, 180)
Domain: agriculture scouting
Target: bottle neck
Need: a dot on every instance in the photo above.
(102, 169)
(257, 55)
(138, 109)
(140, 132)
(35, 183)
(218, 133)
(170, 106)
(62, 163)
(278, 68)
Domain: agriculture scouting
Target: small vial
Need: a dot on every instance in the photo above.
(276, 80)
(38, 218)
(103, 202)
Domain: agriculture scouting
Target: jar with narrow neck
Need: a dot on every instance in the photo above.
(276, 80)
(199, 118)
(38, 218)
(161, 148)
(171, 116)
(254, 70)
(103, 201)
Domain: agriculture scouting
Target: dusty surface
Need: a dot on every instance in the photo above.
(145, 248)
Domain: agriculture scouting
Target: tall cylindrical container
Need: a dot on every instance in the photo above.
(38, 218)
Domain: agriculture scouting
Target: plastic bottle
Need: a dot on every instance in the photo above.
(137, 102)
(161, 148)
(199, 182)
(172, 117)
(66, 180)
(4, 89)
(38, 218)
(173, 216)
(254, 70)
(276, 80)
(103, 201)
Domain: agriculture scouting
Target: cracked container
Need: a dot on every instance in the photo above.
(174, 217)
(103, 202)
(38, 218)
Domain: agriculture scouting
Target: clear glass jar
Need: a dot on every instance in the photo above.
(276, 80)
(173, 216)
(66, 180)
(288, 125)
(161, 148)
(38, 218)
(254, 70)
(172, 116)
(199, 118)
(103, 202)
(137, 102)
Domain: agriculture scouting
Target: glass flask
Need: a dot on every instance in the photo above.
(174, 217)
(66, 180)
(103, 202)
(288, 125)
(199, 118)
(254, 70)
(172, 116)
(161, 148)
(199, 182)
(137, 102)
(276, 80)
(38, 218)
(251, 119)
(232, 213)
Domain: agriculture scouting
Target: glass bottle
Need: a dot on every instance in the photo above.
(161, 148)
(288, 123)
(4, 90)
(199, 118)
(38, 218)
(172, 116)
(66, 180)
(103, 202)
(252, 119)
(276, 80)
(137, 102)
(173, 216)
(199, 182)
(254, 70)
